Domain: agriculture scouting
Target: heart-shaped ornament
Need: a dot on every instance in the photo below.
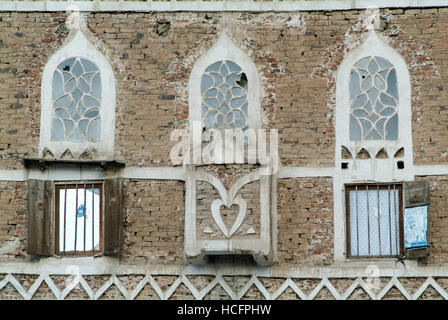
(216, 213)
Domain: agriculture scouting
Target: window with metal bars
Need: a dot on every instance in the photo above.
(78, 218)
(374, 220)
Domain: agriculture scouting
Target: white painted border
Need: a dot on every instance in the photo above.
(111, 265)
(79, 46)
(214, 6)
(363, 280)
(170, 173)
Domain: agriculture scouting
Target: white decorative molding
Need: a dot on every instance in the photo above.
(213, 6)
(261, 248)
(372, 169)
(156, 173)
(376, 169)
(324, 280)
(172, 173)
(216, 214)
(305, 172)
(77, 45)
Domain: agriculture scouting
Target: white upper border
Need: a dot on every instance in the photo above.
(225, 5)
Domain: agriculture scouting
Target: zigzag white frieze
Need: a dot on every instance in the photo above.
(148, 279)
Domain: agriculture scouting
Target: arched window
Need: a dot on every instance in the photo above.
(373, 100)
(224, 89)
(224, 101)
(373, 150)
(78, 102)
(373, 112)
(224, 96)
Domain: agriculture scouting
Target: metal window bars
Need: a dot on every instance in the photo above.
(374, 220)
(78, 215)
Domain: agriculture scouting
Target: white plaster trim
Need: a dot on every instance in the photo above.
(156, 173)
(226, 5)
(178, 173)
(66, 172)
(225, 49)
(111, 265)
(76, 268)
(12, 175)
(431, 170)
(374, 45)
(77, 45)
(196, 249)
(305, 172)
(378, 170)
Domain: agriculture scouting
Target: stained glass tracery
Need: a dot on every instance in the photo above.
(76, 96)
(224, 96)
(373, 91)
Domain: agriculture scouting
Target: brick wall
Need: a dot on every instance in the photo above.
(152, 55)
(12, 221)
(154, 222)
(152, 62)
(437, 221)
(305, 222)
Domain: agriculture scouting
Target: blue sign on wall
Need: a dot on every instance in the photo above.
(415, 226)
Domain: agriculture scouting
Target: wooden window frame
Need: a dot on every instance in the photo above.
(369, 186)
(72, 185)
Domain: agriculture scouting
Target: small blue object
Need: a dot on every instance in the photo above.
(81, 211)
(415, 226)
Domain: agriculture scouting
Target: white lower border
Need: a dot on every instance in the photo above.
(363, 279)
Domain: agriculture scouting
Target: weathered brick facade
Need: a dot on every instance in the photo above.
(297, 55)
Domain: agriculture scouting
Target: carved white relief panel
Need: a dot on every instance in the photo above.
(229, 220)
(229, 208)
(234, 204)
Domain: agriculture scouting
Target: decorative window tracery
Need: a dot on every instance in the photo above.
(76, 101)
(373, 136)
(374, 100)
(224, 96)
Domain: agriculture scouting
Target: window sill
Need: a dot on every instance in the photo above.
(387, 263)
(86, 264)
(45, 163)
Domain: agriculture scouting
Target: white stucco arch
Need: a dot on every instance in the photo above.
(225, 49)
(373, 169)
(78, 45)
(374, 45)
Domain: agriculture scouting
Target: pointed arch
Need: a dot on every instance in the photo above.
(245, 89)
(78, 101)
(374, 58)
(395, 130)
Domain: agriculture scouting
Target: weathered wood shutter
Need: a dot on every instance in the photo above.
(416, 193)
(113, 215)
(40, 220)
